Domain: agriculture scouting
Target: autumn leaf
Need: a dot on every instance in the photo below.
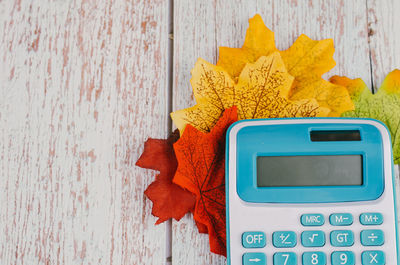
(384, 105)
(306, 60)
(169, 199)
(201, 170)
(261, 92)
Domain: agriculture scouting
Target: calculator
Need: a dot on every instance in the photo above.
(311, 192)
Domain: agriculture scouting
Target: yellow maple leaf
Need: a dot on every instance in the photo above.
(261, 92)
(306, 60)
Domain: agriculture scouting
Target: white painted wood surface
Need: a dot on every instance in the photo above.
(84, 83)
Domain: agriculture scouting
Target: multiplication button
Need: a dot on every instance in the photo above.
(371, 219)
(254, 239)
(375, 257)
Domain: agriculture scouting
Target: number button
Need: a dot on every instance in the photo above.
(342, 238)
(373, 258)
(314, 258)
(253, 239)
(313, 238)
(372, 237)
(341, 219)
(284, 239)
(314, 219)
(371, 219)
(342, 258)
(254, 258)
(285, 258)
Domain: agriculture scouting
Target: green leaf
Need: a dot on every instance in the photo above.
(383, 105)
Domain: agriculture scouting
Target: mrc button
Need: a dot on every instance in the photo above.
(314, 219)
(254, 239)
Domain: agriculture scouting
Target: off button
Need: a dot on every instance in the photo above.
(254, 239)
(314, 219)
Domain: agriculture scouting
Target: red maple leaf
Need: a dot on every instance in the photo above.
(169, 199)
(201, 170)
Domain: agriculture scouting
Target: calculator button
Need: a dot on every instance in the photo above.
(342, 238)
(285, 258)
(372, 237)
(284, 239)
(342, 258)
(314, 258)
(371, 219)
(313, 238)
(375, 257)
(314, 219)
(254, 258)
(254, 239)
(341, 219)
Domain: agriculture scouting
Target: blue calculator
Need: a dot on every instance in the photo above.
(311, 192)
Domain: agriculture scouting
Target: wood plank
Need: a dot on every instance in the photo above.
(384, 38)
(202, 26)
(83, 84)
(384, 41)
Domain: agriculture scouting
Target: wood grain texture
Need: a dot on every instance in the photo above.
(83, 84)
(201, 27)
(384, 38)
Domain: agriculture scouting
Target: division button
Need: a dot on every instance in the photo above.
(314, 219)
(254, 258)
(254, 239)
(372, 237)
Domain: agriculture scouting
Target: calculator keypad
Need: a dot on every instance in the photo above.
(339, 239)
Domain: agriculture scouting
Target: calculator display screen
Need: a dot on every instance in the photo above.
(324, 170)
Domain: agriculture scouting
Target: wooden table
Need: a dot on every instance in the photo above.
(84, 83)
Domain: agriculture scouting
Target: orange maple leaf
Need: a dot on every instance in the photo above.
(169, 199)
(306, 60)
(201, 170)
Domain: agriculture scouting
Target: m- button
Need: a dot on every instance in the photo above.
(254, 239)
(314, 219)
